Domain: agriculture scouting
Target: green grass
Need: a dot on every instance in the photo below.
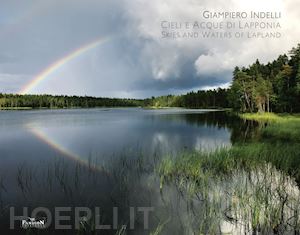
(250, 182)
(282, 127)
(271, 117)
(257, 179)
(287, 131)
(279, 144)
(224, 161)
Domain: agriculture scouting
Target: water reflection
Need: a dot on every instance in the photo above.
(260, 201)
(104, 157)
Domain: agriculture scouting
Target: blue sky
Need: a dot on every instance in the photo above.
(136, 61)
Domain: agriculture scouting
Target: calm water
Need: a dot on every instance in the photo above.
(91, 157)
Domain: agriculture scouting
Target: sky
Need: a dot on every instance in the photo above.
(132, 59)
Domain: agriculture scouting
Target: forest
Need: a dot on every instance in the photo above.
(48, 101)
(271, 87)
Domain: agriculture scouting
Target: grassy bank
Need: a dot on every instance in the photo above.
(222, 162)
(283, 127)
(254, 183)
(271, 147)
(271, 117)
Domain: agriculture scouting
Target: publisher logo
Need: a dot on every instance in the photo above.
(33, 223)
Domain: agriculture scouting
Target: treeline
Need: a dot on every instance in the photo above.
(49, 101)
(200, 99)
(271, 87)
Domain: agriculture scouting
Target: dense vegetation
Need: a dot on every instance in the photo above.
(271, 87)
(49, 101)
(253, 185)
(200, 99)
(259, 87)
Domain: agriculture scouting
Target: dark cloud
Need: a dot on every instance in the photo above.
(136, 61)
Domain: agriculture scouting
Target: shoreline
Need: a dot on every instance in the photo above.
(111, 107)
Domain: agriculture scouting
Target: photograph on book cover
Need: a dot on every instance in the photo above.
(158, 117)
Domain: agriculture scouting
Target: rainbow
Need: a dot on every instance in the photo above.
(59, 63)
(42, 136)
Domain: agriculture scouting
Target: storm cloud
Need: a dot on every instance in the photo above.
(136, 61)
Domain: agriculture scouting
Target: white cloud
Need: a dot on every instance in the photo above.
(138, 60)
(210, 56)
(215, 63)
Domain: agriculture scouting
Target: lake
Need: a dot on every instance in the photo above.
(107, 159)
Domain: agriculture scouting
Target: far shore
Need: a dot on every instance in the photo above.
(146, 107)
